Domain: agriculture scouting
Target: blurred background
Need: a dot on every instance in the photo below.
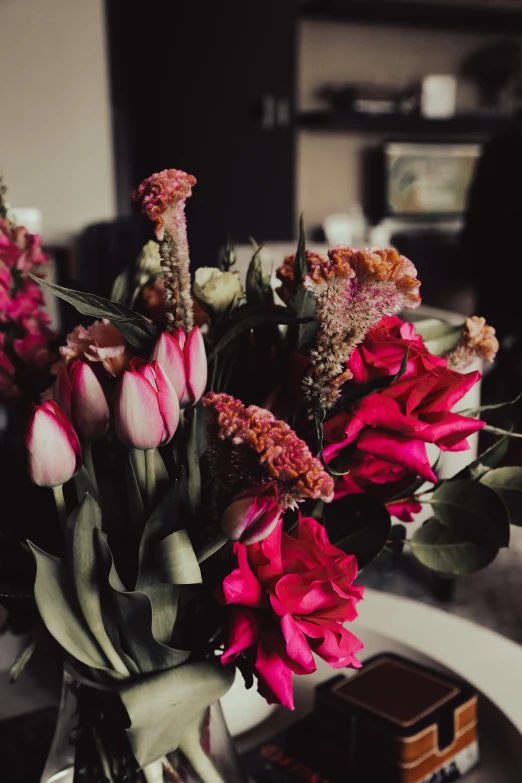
(384, 121)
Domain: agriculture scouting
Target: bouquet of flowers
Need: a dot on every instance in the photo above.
(223, 460)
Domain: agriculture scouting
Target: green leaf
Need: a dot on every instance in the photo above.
(473, 511)
(303, 302)
(162, 706)
(359, 525)
(475, 411)
(22, 660)
(507, 482)
(163, 597)
(274, 315)
(59, 609)
(135, 621)
(177, 560)
(136, 330)
(446, 551)
(82, 524)
(135, 504)
(485, 461)
(84, 484)
(257, 284)
(122, 287)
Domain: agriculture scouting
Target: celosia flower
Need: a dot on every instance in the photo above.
(477, 341)
(289, 598)
(354, 289)
(99, 342)
(286, 274)
(248, 447)
(161, 198)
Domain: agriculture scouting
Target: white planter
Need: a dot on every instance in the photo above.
(244, 709)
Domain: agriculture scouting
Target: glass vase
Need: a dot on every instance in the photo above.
(89, 747)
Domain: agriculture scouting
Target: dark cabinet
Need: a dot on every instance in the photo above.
(209, 88)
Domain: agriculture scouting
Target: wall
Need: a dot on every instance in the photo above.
(55, 132)
(329, 164)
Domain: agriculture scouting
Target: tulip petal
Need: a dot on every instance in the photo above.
(62, 390)
(53, 446)
(195, 366)
(168, 403)
(137, 419)
(168, 353)
(89, 407)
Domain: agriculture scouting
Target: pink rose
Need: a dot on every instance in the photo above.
(99, 342)
(395, 424)
(291, 595)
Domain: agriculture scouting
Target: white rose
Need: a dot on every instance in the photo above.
(218, 291)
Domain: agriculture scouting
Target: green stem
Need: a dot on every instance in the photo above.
(193, 470)
(60, 503)
(150, 468)
(89, 465)
(212, 547)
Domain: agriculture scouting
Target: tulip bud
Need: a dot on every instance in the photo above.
(54, 449)
(146, 407)
(62, 391)
(169, 354)
(184, 362)
(195, 367)
(252, 515)
(89, 408)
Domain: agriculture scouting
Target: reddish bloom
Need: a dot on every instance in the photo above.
(80, 395)
(291, 595)
(54, 450)
(185, 363)
(395, 424)
(249, 446)
(159, 194)
(252, 515)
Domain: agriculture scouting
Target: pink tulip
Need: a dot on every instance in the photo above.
(146, 407)
(168, 353)
(62, 391)
(79, 394)
(54, 449)
(185, 363)
(89, 408)
(252, 515)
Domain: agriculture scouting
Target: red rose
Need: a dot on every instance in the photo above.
(292, 594)
(395, 424)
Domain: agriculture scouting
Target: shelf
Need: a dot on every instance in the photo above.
(469, 126)
(465, 18)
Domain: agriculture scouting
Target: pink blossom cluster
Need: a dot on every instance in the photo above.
(24, 326)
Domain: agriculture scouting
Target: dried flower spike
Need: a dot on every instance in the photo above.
(248, 447)
(354, 289)
(161, 198)
(477, 341)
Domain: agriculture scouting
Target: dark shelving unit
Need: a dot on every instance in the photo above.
(468, 126)
(492, 19)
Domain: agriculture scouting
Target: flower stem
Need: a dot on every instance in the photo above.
(150, 468)
(60, 503)
(89, 465)
(212, 547)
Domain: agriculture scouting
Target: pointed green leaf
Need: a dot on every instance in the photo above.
(496, 406)
(161, 706)
(82, 524)
(473, 511)
(177, 560)
(507, 482)
(84, 484)
(257, 284)
(59, 609)
(136, 330)
(485, 461)
(446, 551)
(22, 660)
